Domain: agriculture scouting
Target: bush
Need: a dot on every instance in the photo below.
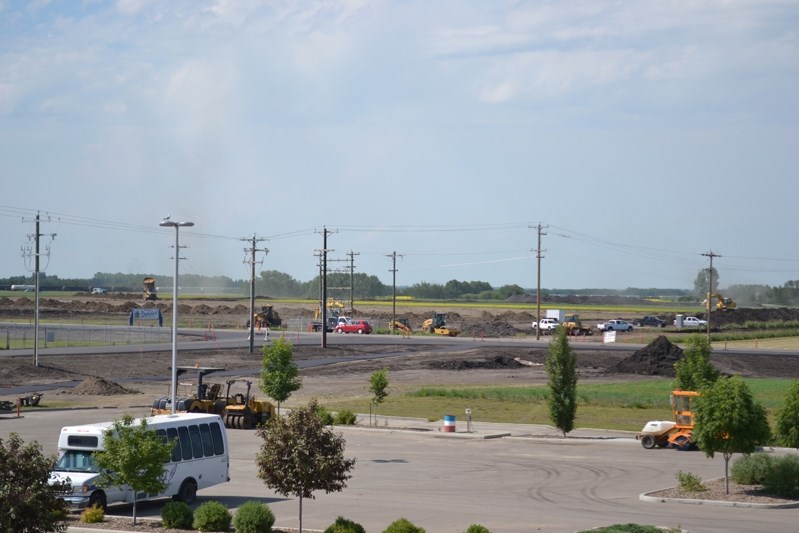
(253, 517)
(211, 516)
(401, 525)
(92, 515)
(177, 515)
(345, 417)
(325, 416)
(690, 482)
(782, 478)
(477, 528)
(342, 525)
(751, 469)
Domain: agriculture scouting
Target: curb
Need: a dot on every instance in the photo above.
(645, 497)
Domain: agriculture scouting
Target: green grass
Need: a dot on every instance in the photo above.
(622, 406)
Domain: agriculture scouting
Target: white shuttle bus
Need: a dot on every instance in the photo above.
(199, 459)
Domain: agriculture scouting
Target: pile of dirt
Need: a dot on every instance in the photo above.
(743, 315)
(655, 359)
(95, 386)
(493, 363)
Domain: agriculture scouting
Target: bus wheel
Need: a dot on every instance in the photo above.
(187, 493)
(97, 499)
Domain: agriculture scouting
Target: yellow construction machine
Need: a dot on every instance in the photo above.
(265, 317)
(149, 289)
(722, 303)
(574, 326)
(401, 324)
(244, 411)
(207, 399)
(438, 324)
(677, 434)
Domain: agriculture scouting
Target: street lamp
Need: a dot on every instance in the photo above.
(177, 225)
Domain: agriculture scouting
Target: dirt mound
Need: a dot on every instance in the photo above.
(99, 387)
(655, 359)
(493, 363)
(743, 315)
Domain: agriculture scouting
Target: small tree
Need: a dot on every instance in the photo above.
(788, 418)
(134, 455)
(694, 372)
(562, 381)
(378, 383)
(728, 420)
(279, 374)
(27, 501)
(300, 455)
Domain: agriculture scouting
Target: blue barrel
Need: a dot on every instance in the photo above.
(449, 423)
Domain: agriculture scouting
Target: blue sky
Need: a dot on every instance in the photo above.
(639, 134)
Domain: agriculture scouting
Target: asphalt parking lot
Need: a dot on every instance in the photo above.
(510, 478)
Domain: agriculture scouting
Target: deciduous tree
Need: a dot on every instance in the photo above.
(134, 455)
(695, 372)
(279, 373)
(300, 455)
(788, 418)
(378, 384)
(561, 366)
(27, 501)
(728, 420)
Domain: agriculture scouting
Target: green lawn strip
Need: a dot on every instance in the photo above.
(621, 406)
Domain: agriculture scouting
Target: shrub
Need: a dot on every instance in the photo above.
(690, 482)
(177, 515)
(402, 525)
(477, 528)
(342, 525)
(253, 517)
(345, 417)
(92, 515)
(782, 478)
(325, 416)
(751, 469)
(211, 516)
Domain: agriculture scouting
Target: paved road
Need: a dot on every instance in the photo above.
(528, 481)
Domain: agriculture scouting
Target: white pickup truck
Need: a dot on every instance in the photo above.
(692, 322)
(548, 325)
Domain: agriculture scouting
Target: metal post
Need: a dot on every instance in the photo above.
(168, 223)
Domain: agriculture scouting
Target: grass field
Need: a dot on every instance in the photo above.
(622, 406)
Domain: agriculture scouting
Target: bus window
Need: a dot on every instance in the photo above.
(216, 436)
(172, 435)
(196, 441)
(185, 442)
(208, 446)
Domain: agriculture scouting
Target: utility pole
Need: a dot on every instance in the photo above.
(711, 254)
(352, 279)
(393, 256)
(251, 261)
(26, 252)
(539, 255)
(323, 256)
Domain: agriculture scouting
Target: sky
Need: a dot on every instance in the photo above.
(637, 137)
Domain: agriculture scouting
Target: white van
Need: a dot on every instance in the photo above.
(199, 459)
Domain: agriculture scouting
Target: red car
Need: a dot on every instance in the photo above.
(354, 326)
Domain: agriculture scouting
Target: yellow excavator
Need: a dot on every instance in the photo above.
(437, 324)
(400, 324)
(722, 303)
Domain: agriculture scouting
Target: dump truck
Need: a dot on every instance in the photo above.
(676, 434)
(150, 291)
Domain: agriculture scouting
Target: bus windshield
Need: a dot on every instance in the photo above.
(77, 461)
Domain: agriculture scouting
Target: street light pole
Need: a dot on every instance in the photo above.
(177, 225)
